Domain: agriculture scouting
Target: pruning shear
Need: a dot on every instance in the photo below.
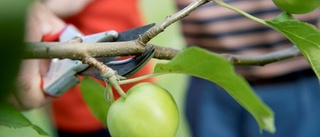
(61, 75)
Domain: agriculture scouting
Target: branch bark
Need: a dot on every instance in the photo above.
(265, 59)
(108, 49)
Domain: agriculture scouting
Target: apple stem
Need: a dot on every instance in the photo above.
(114, 81)
(111, 78)
(109, 93)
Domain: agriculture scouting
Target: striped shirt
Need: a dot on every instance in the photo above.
(224, 31)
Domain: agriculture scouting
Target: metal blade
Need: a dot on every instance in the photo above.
(130, 66)
(133, 34)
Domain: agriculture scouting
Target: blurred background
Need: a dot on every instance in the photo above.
(154, 11)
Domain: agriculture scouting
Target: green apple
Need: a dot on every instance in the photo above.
(147, 111)
(297, 6)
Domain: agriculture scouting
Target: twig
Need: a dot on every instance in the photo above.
(263, 59)
(102, 68)
(164, 53)
(160, 27)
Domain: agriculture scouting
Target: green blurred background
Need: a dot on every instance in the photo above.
(154, 11)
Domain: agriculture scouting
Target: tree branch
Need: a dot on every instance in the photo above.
(108, 49)
(77, 50)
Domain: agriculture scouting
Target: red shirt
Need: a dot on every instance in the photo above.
(70, 111)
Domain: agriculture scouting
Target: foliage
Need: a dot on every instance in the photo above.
(12, 118)
(201, 63)
(305, 36)
(12, 35)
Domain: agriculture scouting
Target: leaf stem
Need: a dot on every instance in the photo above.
(223, 4)
(139, 78)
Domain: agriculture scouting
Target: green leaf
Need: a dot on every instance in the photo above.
(10, 117)
(12, 22)
(201, 63)
(283, 17)
(94, 96)
(39, 130)
(305, 36)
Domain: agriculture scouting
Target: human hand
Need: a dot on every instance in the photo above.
(40, 21)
